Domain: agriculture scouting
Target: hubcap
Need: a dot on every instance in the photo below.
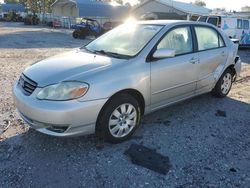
(122, 120)
(226, 83)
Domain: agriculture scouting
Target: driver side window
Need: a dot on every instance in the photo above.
(179, 39)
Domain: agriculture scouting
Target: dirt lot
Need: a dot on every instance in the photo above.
(206, 138)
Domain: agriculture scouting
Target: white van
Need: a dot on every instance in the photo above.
(234, 27)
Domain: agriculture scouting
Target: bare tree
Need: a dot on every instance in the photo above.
(127, 4)
(117, 1)
(219, 9)
(245, 9)
(200, 3)
(11, 1)
(34, 6)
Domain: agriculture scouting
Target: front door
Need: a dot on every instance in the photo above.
(174, 78)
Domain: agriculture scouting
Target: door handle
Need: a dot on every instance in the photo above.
(223, 53)
(194, 60)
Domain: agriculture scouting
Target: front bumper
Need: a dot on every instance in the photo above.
(58, 118)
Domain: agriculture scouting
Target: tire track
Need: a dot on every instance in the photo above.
(244, 79)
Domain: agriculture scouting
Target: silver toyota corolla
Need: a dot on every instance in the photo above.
(136, 68)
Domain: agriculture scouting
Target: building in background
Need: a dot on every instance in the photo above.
(168, 9)
(243, 14)
(101, 11)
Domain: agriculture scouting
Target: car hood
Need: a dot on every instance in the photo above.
(68, 66)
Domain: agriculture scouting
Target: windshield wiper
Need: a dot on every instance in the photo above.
(100, 52)
(86, 49)
(113, 54)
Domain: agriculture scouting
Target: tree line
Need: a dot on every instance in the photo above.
(35, 6)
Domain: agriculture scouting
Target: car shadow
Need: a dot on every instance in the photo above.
(204, 122)
(244, 55)
(19, 25)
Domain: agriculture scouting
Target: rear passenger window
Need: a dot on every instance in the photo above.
(239, 24)
(213, 21)
(179, 39)
(208, 38)
(245, 24)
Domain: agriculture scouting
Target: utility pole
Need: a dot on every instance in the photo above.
(172, 3)
(43, 10)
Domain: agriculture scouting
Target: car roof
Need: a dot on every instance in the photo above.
(170, 22)
(176, 23)
(163, 22)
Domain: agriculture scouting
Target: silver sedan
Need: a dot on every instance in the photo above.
(136, 68)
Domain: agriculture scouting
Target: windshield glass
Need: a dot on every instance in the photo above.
(125, 40)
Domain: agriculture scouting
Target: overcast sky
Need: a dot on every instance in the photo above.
(228, 4)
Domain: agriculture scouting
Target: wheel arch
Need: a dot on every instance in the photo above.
(232, 69)
(133, 92)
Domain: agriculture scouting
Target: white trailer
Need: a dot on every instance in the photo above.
(235, 27)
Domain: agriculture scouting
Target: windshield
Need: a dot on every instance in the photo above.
(125, 40)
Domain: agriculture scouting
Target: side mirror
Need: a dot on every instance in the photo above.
(164, 53)
(236, 41)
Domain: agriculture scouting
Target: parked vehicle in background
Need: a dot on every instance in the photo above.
(234, 27)
(12, 16)
(87, 27)
(31, 19)
(110, 25)
(134, 69)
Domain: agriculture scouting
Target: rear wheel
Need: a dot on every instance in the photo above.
(75, 34)
(224, 84)
(119, 119)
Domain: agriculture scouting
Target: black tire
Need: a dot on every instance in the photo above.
(82, 36)
(218, 90)
(96, 35)
(75, 34)
(102, 126)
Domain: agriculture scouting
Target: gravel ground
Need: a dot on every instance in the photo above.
(206, 139)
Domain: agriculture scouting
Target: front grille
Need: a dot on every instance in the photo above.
(28, 86)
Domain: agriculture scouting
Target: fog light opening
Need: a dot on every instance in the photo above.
(58, 129)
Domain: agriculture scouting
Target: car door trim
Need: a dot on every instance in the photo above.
(204, 77)
(180, 85)
(174, 87)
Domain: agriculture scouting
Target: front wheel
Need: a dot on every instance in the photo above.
(224, 84)
(119, 118)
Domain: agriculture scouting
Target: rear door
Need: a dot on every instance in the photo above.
(174, 78)
(212, 53)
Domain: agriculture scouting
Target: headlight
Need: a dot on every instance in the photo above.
(63, 91)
